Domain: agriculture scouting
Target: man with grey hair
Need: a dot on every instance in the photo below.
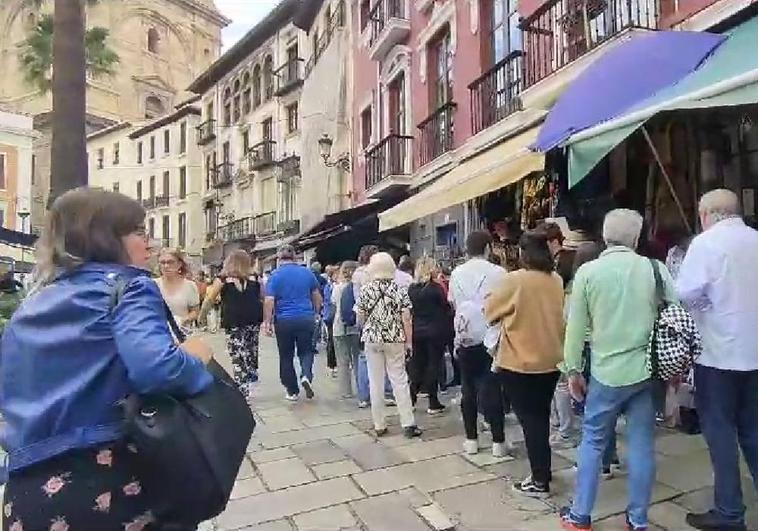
(614, 298)
(292, 302)
(717, 282)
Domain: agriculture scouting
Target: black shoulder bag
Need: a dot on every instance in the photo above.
(189, 450)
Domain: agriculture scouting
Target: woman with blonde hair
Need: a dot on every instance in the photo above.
(241, 315)
(383, 309)
(429, 308)
(180, 293)
(94, 332)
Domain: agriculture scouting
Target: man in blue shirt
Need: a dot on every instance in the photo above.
(292, 302)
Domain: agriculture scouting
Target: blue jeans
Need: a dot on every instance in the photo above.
(604, 405)
(292, 334)
(727, 402)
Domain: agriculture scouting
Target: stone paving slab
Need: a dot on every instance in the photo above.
(267, 456)
(287, 473)
(390, 512)
(247, 487)
(428, 476)
(336, 469)
(246, 469)
(289, 438)
(369, 453)
(280, 525)
(337, 518)
(422, 450)
(318, 452)
(271, 506)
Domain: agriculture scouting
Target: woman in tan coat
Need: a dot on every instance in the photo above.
(528, 308)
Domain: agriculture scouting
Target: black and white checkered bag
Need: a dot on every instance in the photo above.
(675, 342)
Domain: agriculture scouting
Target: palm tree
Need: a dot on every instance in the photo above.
(66, 48)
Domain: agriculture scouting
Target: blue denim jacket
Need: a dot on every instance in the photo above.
(68, 358)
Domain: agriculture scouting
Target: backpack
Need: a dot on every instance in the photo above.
(470, 324)
(347, 305)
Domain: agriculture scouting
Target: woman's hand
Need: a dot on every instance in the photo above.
(197, 348)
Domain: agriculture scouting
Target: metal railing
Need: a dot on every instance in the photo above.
(264, 223)
(239, 229)
(161, 201)
(561, 31)
(437, 133)
(337, 20)
(288, 76)
(496, 94)
(148, 203)
(381, 13)
(223, 175)
(261, 155)
(388, 157)
(206, 132)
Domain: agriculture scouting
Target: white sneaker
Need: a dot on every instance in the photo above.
(499, 449)
(291, 398)
(471, 446)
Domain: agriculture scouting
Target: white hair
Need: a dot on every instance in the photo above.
(381, 266)
(719, 204)
(622, 227)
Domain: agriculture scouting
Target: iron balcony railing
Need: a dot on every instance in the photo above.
(206, 132)
(381, 13)
(148, 203)
(337, 20)
(161, 201)
(223, 175)
(496, 94)
(289, 76)
(264, 224)
(561, 31)
(437, 133)
(261, 155)
(239, 229)
(389, 157)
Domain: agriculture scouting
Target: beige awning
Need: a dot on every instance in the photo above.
(499, 166)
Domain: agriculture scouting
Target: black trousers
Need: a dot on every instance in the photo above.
(530, 396)
(424, 366)
(476, 389)
(331, 356)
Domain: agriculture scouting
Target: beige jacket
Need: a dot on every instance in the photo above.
(529, 307)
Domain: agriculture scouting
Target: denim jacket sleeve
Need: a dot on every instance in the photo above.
(154, 363)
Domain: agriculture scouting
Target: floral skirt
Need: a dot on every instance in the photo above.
(82, 490)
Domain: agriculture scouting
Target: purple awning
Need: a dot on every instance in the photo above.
(625, 75)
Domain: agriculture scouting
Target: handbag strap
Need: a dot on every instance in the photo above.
(118, 292)
(659, 291)
(659, 298)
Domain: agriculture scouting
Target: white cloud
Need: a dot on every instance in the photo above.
(244, 14)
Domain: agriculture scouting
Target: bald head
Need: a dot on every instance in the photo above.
(718, 205)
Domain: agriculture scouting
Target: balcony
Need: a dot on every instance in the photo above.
(337, 20)
(289, 227)
(561, 31)
(264, 224)
(239, 229)
(437, 133)
(289, 77)
(223, 175)
(206, 132)
(389, 26)
(496, 94)
(290, 169)
(161, 201)
(389, 165)
(148, 203)
(261, 155)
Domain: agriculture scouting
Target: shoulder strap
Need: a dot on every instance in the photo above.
(659, 291)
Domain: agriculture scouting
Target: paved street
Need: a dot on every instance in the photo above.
(315, 466)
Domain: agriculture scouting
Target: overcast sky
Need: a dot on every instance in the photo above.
(244, 14)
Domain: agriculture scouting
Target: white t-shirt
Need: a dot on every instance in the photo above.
(475, 276)
(182, 299)
(403, 279)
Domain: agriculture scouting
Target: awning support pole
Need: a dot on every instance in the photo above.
(667, 178)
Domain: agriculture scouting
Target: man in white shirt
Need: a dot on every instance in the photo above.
(404, 272)
(470, 283)
(717, 281)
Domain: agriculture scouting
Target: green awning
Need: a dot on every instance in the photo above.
(729, 77)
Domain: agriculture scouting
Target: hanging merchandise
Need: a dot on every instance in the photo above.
(536, 201)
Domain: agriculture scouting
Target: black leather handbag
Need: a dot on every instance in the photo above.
(189, 450)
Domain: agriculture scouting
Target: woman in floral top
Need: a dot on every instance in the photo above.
(384, 311)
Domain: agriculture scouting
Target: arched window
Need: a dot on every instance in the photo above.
(227, 106)
(153, 40)
(154, 107)
(256, 86)
(268, 77)
(237, 107)
(246, 94)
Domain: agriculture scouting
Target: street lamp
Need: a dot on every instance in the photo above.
(325, 144)
(24, 215)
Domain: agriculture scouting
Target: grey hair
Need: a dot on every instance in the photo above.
(381, 266)
(720, 204)
(622, 227)
(286, 252)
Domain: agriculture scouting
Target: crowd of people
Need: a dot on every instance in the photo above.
(562, 339)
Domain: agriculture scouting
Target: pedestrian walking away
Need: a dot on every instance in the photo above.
(717, 283)
(347, 337)
(470, 284)
(69, 464)
(241, 315)
(292, 302)
(429, 310)
(327, 318)
(615, 298)
(383, 309)
(526, 360)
